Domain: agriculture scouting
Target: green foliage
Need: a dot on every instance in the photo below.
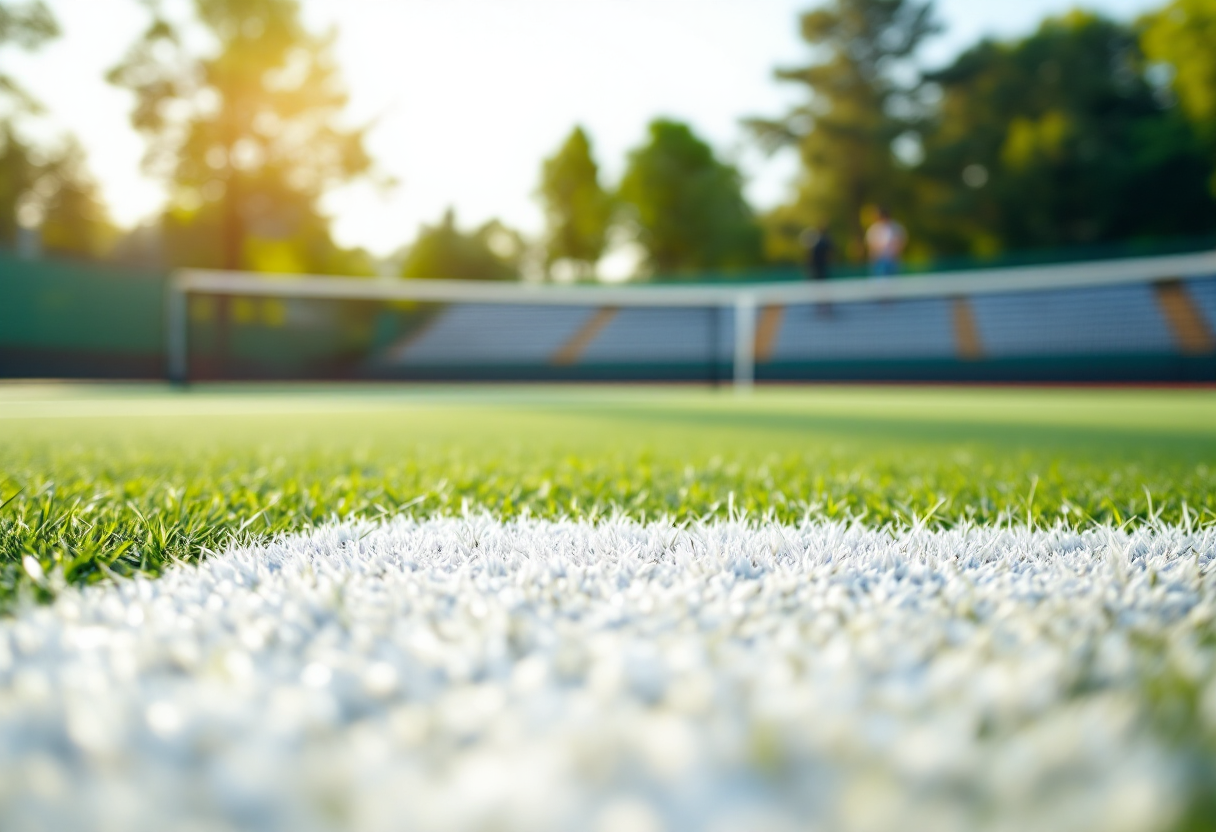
(578, 211)
(1182, 36)
(853, 110)
(40, 185)
(116, 482)
(1056, 139)
(74, 218)
(1061, 138)
(491, 252)
(688, 205)
(247, 134)
(19, 171)
(53, 192)
(27, 26)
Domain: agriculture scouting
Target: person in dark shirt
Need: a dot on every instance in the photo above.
(818, 252)
(818, 259)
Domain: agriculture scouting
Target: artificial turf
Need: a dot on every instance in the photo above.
(100, 479)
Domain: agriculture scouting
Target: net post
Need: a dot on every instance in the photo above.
(176, 335)
(745, 342)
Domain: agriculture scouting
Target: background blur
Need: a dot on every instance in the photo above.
(542, 141)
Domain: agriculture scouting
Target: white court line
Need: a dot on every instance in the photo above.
(467, 674)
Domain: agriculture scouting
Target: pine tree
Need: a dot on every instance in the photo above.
(858, 102)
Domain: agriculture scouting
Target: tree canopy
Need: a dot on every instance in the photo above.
(44, 185)
(1056, 139)
(1182, 37)
(73, 219)
(688, 205)
(247, 134)
(858, 99)
(1087, 130)
(443, 251)
(18, 173)
(26, 26)
(1065, 137)
(578, 211)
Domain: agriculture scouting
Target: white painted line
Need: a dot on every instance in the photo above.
(470, 674)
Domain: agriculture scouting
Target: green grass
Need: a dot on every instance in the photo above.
(107, 479)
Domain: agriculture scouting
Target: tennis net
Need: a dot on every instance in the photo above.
(1139, 319)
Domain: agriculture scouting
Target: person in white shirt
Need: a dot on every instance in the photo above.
(885, 240)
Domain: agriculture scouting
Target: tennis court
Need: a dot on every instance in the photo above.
(536, 607)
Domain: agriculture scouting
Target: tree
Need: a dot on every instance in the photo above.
(688, 205)
(246, 134)
(858, 103)
(1182, 36)
(578, 211)
(443, 251)
(18, 174)
(26, 26)
(43, 186)
(74, 218)
(1056, 139)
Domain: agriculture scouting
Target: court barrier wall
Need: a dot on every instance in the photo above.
(1131, 320)
(61, 319)
(67, 319)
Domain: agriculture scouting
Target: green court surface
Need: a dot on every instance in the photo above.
(101, 479)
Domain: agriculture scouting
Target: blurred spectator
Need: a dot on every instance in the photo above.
(818, 252)
(885, 240)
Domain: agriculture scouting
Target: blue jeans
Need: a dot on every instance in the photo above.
(884, 266)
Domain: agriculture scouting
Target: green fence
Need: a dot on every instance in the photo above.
(64, 319)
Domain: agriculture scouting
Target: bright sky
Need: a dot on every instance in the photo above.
(469, 95)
